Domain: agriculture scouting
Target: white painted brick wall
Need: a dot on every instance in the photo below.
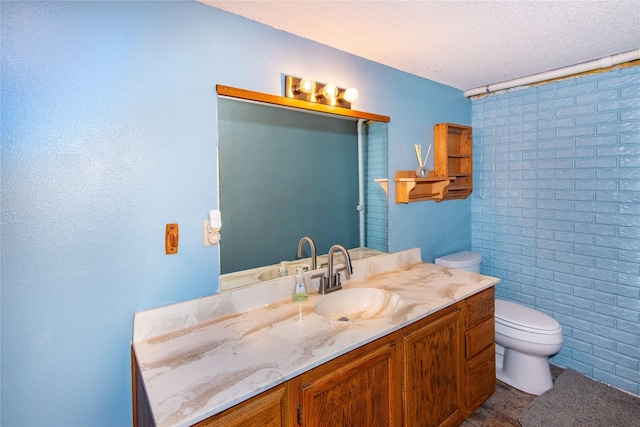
(556, 212)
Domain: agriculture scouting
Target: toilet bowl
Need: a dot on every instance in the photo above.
(525, 338)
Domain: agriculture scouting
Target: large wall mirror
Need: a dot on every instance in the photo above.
(287, 173)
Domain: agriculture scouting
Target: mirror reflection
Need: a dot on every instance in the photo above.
(285, 174)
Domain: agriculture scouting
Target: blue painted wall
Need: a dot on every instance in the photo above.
(108, 133)
(556, 212)
(375, 198)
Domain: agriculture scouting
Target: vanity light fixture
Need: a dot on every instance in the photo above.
(306, 85)
(329, 91)
(308, 89)
(350, 95)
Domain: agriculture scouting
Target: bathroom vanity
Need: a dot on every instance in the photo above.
(253, 357)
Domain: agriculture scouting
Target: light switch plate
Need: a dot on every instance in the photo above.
(171, 239)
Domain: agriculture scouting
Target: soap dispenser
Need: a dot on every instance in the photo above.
(283, 269)
(300, 293)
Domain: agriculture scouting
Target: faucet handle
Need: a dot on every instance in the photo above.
(337, 283)
(324, 282)
(347, 271)
(337, 280)
(315, 276)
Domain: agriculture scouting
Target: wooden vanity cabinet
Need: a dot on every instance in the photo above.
(480, 365)
(434, 372)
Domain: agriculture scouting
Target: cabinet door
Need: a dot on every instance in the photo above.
(356, 392)
(432, 387)
(481, 378)
(268, 409)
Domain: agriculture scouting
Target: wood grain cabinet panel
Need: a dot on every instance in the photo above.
(481, 379)
(479, 307)
(479, 337)
(268, 409)
(432, 373)
(353, 392)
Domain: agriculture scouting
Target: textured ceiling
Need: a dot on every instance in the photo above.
(463, 44)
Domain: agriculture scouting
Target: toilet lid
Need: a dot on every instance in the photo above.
(521, 317)
(459, 259)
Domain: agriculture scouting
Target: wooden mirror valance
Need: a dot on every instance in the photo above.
(249, 95)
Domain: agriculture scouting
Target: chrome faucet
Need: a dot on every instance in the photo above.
(330, 281)
(312, 246)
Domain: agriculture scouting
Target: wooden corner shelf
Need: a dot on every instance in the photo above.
(453, 158)
(452, 174)
(409, 188)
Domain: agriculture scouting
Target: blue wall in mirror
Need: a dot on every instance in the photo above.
(284, 174)
(376, 203)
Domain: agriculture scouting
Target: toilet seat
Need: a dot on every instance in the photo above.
(516, 316)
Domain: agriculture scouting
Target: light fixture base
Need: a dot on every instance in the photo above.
(291, 85)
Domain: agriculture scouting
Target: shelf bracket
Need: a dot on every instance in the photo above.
(409, 188)
(384, 183)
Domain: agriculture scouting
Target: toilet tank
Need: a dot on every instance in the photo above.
(465, 260)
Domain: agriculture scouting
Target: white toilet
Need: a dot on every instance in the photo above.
(465, 260)
(525, 338)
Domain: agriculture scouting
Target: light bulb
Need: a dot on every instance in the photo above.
(329, 91)
(306, 85)
(350, 95)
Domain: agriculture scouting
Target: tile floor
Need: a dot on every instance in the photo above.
(503, 408)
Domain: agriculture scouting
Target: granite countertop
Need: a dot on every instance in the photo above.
(203, 356)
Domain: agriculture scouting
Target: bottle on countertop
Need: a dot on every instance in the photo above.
(300, 293)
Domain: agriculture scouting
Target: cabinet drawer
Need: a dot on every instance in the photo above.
(479, 307)
(479, 337)
(481, 378)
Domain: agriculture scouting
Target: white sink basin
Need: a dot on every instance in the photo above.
(357, 304)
